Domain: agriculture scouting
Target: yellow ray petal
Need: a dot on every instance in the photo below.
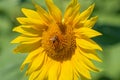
(21, 29)
(84, 61)
(90, 23)
(29, 21)
(54, 11)
(66, 71)
(79, 58)
(26, 40)
(43, 74)
(84, 78)
(34, 75)
(44, 71)
(88, 63)
(72, 11)
(37, 62)
(90, 33)
(54, 71)
(76, 77)
(91, 54)
(30, 30)
(31, 56)
(87, 44)
(68, 11)
(81, 70)
(76, 58)
(44, 15)
(84, 15)
(31, 13)
(25, 48)
(75, 72)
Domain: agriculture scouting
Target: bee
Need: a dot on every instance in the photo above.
(55, 41)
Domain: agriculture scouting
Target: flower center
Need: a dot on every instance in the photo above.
(58, 45)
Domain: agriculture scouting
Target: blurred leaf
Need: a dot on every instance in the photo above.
(108, 11)
(110, 34)
(9, 70)
(111, 61)
(5, 26)
(110, 66)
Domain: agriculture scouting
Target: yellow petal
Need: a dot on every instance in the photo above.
(84, 15)
(31, 56)
(79, 58)
(37, 62)
(44, 71)
(72, 4)
(82, 71)
(25, 48)
(24, 31)
(26, 40)
(66, 71)
(75, 77)
(87, 44)
(84, 61)
(72, 11)
(80, 67)
(90, 54)
(30, 30)
(90, 65)
(43, 74)
(54, 71)
(90, 23)
(34, 75)
(29, 21)
(54, 11)
(31, 13)
(43, 14)
(90, 33)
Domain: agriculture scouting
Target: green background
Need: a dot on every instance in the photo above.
(108, 24)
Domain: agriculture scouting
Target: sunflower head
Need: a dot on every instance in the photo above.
(59, 46)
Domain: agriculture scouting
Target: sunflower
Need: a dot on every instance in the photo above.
(59, 47)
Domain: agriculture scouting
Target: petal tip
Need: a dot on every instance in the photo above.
(23, 9)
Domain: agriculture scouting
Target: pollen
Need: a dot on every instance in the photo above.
(59, 43)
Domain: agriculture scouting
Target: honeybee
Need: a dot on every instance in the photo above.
(55, 41)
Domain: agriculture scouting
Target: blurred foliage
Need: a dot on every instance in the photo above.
(108, 24)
